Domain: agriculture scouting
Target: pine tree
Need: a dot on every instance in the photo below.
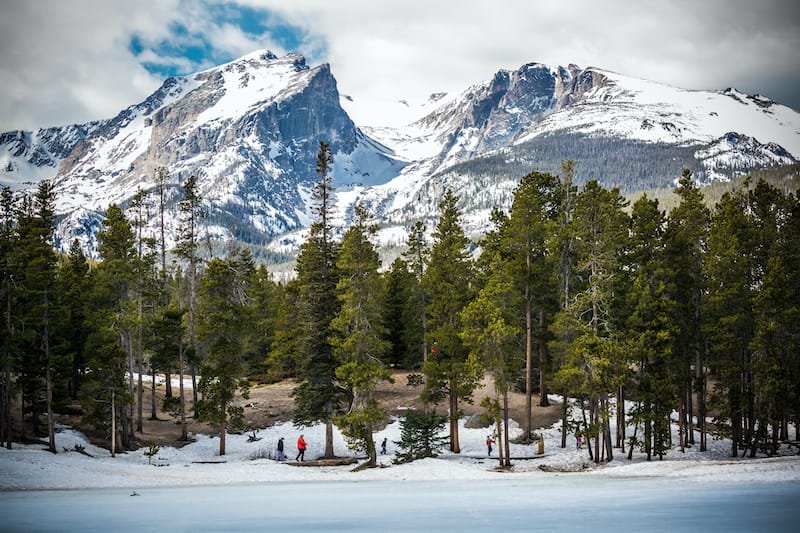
(649, 330)
(420, 436)
(593, 357)
(222, 329)
(492, 331)
(775, 306)
(417, 255)
(448, 286)
(317, 396)
(143, 267)
(563, 248)
(39, 305)
(284, 356)
(110, 311)
(265, 296)
(778, 328)
(751, 245)
(730, 324)
(73, 287)
(191, 214)
(359, 336)
(685, 240)
(531, 222)
(9, 268)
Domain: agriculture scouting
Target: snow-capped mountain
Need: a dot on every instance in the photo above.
(625, 132)
(249, 131)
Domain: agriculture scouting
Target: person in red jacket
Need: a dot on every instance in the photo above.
(301, 449)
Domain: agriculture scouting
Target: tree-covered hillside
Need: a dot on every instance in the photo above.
(690, 310)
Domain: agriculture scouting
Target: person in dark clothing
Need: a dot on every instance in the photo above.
(279, 456)
(383, 446)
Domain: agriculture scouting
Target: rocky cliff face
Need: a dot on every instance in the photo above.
(497, 113)
(249, 131)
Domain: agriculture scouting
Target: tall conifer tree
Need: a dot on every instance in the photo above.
(592, 358)
(187, 248)
(318, 396)
(448, 286)
(685, 241)
(110, 319)
(40, 304)
(649, 330)
(9, 266)
(526, 235)
(223, 323)
(359, 336)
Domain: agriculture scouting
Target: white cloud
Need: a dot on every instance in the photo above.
(68, 62)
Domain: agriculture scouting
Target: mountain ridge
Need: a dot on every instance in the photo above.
(249, 131)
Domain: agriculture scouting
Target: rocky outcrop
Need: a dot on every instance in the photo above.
(248, 130)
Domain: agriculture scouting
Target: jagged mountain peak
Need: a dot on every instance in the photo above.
(249, 131)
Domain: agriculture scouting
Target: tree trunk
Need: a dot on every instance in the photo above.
(455, 447)
(329, 431)
(372, 454)
(544, 401)
(51, 433)
(564, 414)
(113, 425)
(701, 399)
(635, 430)
(222, 433)
(140, 370)
(751, 436)
(528, 360)
(168, 384)
(586, 432)
(182, 402)
(607, 429)
(689, 406)
(620, 425)
(501, 453)
(131, 393)
(504, 438)
(194, 390)
(153, 413)
(594, 418)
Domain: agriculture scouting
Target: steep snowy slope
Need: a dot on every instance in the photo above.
(249, 131)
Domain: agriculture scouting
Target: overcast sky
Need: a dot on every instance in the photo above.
(64, 62)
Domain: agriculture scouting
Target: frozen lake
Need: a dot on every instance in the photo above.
(569, 502)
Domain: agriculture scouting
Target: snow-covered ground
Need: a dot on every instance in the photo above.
(27, 467)
(245, 486)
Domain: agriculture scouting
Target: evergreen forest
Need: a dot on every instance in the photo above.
(691, 315)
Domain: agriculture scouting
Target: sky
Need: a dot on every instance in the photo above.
(73, 62)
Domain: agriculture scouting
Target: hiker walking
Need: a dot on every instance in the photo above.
(578, 440)
(279, 456)
(383, 446)
(301, 449)
(489, 443)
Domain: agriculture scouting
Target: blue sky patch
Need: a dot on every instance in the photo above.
(187, 51)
